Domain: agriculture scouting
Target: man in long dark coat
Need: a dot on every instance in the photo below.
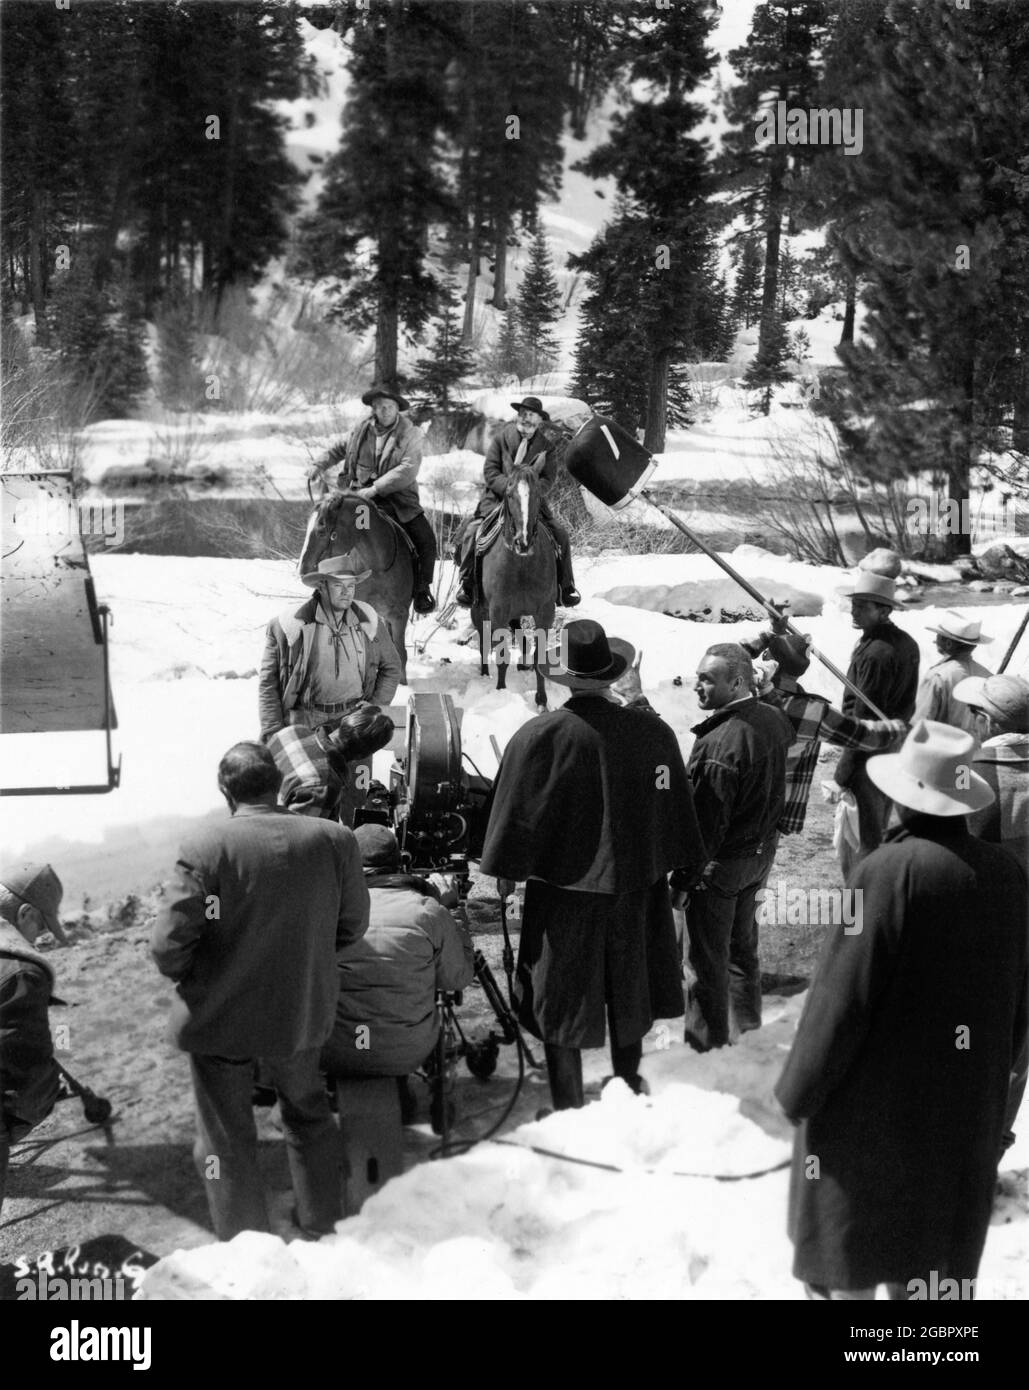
(899, 1072)
(592, 808)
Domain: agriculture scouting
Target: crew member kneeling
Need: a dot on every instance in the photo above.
(386, 1018)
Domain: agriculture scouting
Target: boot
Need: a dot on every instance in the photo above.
(570, 595)
(465, 595)
(564, 1072)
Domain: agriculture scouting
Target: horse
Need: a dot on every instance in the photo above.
(519, 583)
(342, 522)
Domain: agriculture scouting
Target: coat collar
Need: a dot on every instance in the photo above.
(12, 943)
(721, 715)
(1004, 748)
(924, 827)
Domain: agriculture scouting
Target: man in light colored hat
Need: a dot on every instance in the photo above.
(956, 641)
(30, 901)
(327, 658)
(520, 442)
(884, 667)
(898, 1076)
(591, 809)
(1001, 706)
(381, 460)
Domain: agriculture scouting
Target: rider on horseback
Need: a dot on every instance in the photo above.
(380, 464)
(519, 442)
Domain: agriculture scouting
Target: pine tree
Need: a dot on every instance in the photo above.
(779, 62)
(665, 173)
(746, 296)
(940, 241)
(769, 368)
(539, 306)
(450, 361)
(386, 184)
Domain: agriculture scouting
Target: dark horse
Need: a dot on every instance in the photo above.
(519, 585)
(342, 522)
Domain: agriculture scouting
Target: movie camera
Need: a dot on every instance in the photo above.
(438, 810)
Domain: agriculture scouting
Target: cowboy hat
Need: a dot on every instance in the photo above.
(1005, 698)
(381, 389)
(591, 659)
(958, 629)
(337, 567)
(39, 886)
(932, 772)
(531, 403)
(877, 587)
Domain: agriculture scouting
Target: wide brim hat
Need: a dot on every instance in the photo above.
(868, 584)
(1004, 697)
(531, 403)
(932, 773)
(337, 567)
(381, 389)
(959, 629)
(39, 886)
(592, 659)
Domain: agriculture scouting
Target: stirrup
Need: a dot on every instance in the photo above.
(570, 596)
(463, 597)
(424, 601)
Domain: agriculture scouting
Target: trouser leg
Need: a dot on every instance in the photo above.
(312, 1139)
(873, 816)
(824, 1295)
(709, 921)
(424, 539)
(225, 1151)
(1016, 1090)
(565, 577)
(5, 1154)
(744, 964)
(564, 1071)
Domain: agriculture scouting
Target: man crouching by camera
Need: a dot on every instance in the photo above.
(386, 1018)
(30, 897)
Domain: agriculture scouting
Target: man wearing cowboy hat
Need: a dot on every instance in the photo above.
(521, 441)
(591, 809)
(884, 667)
(328, 656)
(380, 463)
(956, 641)
(1001, 706)
(30, 902)
(898, 1077)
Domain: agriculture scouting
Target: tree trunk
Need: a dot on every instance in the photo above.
(386, 326)
(962, 450)
(657, 401)
(1020, 419)
(773, 238)
(499, 300)
(36, 268)
(849, 305)
(468, 327)
(224, 274)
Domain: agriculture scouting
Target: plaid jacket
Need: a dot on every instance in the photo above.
(814, 719)
(311, 781)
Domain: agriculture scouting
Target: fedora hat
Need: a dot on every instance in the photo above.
(381, 389)
(592, 659)
(1004, 697)
(868, 584)
(959, 629)
(346, 566)
(531, 403)
(39, 886)
(933, 772)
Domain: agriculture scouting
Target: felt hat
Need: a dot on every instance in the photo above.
(868, 584)
(591, 659)
(531, 403)
(959, 629)
(379, 847)
(348, 566)
(381, 389)
(933, 772)
(1004, 697)
(39, 886)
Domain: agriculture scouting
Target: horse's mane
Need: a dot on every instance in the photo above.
(330, 505)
